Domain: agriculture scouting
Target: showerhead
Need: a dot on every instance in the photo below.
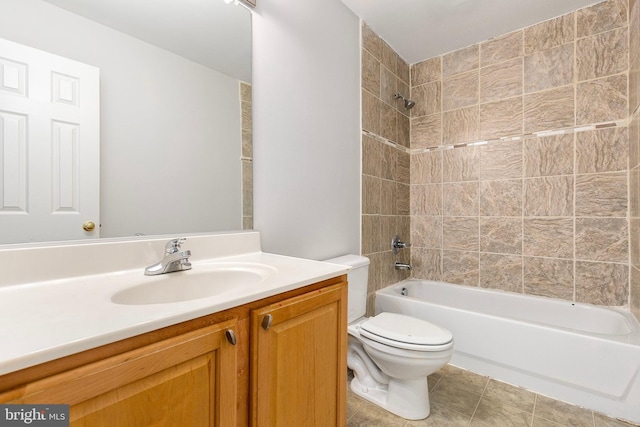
(408, 103)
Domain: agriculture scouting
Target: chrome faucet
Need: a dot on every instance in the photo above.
(402, 266)
(396, 244)
(175, 259)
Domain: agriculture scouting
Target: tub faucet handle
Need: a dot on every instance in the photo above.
(396, 244)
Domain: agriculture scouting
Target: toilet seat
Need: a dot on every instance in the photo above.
(405, 332)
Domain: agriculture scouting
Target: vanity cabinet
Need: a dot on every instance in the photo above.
(225, 369)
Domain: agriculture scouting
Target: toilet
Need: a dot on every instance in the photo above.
(390, 354)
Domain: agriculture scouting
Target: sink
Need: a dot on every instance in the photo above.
(203, 281)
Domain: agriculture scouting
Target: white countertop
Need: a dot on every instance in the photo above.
(46, 320)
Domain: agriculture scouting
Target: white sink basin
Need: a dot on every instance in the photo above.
(202, 281)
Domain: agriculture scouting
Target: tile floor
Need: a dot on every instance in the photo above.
(462, 398)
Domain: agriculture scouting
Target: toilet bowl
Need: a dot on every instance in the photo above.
(391, 354)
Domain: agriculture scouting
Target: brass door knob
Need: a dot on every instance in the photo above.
(88, 226)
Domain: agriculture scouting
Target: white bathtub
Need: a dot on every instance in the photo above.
(578, 353)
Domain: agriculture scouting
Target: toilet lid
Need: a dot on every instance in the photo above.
(404, 329)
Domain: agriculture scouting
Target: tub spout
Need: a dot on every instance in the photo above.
(402, 266)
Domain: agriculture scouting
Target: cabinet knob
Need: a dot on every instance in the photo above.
(231, 336)
(266, 322)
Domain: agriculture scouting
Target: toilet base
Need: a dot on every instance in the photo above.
(408, 399)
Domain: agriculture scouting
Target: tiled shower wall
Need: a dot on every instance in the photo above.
(247, 156)
(542, 207)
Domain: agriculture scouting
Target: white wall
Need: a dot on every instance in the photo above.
(306, 103)
(170, 128)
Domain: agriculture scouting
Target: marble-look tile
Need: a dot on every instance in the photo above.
(461, 199)
(404, 128)
(548, 237)
(634, 141)
(460, 90)
(388, 87)
(426, 263)
(455, 398)
(501, 160)
(601, 100)
(548, 68)
(501, 235)
(501, 198)
(501, 118)
(370, 234)
(461, 60)
(461, 268)
(370, 415)
(247, 116)
(403, 167)
(371, 106)
(501, 81)
(371, 156)
(602, 283)
(426, 168)
(634, 241)
(460, 233)
(247, 143)
(426, 199)
(455, 377)
(602, 55)
(548, 277)
(371, 41)
(499, 414)
(501, 48)
(388, 123)
(602, 239)
(441, 417)
(461, 164)
(501, 393)
(387, 197)
(634, 303)
(402, 199)
(460, 125)
(426, 71)
(548, 34)
(428, 98)
(403, 71)
(601, 17)
(549, 155)
(426, 232)
(604, 421)
(602, 150)
(426, 131)
(503, 272)
(601, 195)
(548, 196)
(389, 58)
(370, 73)
(371, 194)
(389, 162)
(551, 109)
(563, 413)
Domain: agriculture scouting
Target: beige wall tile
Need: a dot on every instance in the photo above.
(388, 197)
(602, 283)
(247, 143)
(550, 155)
(501, 81)
(601, 195)
(388, 86)
(461, 60)
(389, 162)
(427, 263)
(403, 167)
(428, 98)
(370, 73)
(501, 235)
(601, 100)
(461, 164)
(634, 141)
(548, 196)
(634, 55)
(501, 48)
(389, 58)
(634, 303)
(371, 194)
(403, 200)
(548, 34)
(426, 131)
(501, 118)
(548, 237)
(370, 234)
(551, 109)
(426, 232)
(403, 71)
(461, 268)
(548, 68)
(460, 90)
(501, 198)
(461, 199)
(371, 41)
(460, 233)
(601, 17)
(426, 199)
(501, 160)
(371, 156)
(460, 125)
(404, 128)
(426, 168)
(371, 107)
(548, 277)
(602, 55)
(634, 198)
(603, 150)
(426, 71)
(388, 122)
(602, 239)
(502, 272)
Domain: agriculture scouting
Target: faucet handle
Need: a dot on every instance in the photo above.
(396, 244)
(173, 246)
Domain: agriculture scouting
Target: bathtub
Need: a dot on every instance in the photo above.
(577, 353)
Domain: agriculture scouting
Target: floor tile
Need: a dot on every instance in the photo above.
(562, 413)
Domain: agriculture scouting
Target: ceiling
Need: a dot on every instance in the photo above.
(421, 29)
(209, 32)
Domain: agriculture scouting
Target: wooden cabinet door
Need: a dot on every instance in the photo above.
(298, 360)
(188, 380)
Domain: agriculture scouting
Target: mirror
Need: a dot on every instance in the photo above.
(175, 106)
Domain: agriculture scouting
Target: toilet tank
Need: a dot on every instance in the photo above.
(358, 277)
